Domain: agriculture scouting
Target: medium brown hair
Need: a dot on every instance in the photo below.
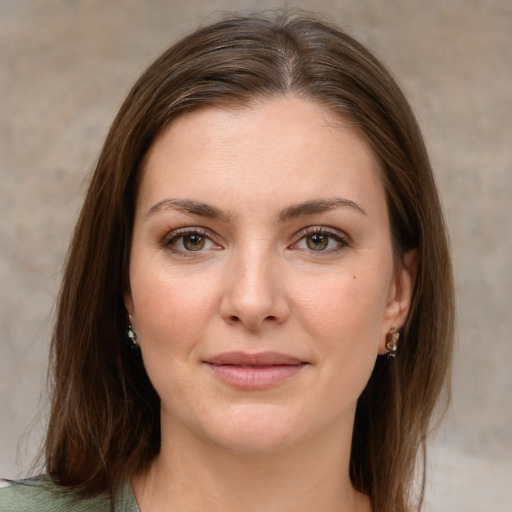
(105, 417)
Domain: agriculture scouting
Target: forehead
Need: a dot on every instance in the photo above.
(273, 146)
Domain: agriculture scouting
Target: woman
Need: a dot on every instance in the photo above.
(261, 237)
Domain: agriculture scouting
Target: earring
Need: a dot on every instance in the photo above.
(132, 336)
(392, 342)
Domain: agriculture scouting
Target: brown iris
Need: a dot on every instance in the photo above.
(193, 242)
(317, 242)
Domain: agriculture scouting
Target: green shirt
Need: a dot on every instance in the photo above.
(42, 495)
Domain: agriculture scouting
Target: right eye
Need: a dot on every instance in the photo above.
(193, 242)
(186, 241)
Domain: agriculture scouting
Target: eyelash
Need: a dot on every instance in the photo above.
(172, 239)
(341, 239)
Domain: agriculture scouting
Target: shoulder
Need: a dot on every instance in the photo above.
(42, 495)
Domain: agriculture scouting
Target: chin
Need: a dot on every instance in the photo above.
(256, 430)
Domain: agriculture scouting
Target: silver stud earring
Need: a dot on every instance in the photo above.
(392, 342)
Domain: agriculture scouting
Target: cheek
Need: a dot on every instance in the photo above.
(171, 316)
(344, 318)
(351, 323)
(347, 308)
(170, 310)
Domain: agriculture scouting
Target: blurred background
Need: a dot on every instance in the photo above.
(65, 67)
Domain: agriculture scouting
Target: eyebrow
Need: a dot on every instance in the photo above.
(188, 206)
(192, 207)
(317, 206)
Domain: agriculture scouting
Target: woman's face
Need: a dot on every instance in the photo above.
(262, 278)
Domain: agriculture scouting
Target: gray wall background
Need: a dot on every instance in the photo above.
(65, 67)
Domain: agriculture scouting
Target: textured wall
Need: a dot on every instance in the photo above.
(65, 66)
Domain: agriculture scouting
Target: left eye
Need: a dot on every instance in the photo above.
(321, 241)
(317, 242)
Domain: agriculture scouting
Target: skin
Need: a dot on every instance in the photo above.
(259, 282)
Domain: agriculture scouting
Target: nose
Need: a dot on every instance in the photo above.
(254, 292)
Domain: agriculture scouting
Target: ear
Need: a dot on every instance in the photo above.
(128, 304)
(400, 296)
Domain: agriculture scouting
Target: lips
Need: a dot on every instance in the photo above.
(254, 371)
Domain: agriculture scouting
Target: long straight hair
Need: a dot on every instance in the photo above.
(105, 414)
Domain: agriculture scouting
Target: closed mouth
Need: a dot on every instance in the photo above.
(263, 359)
(254, 371)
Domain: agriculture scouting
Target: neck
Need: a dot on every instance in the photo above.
(192, 475)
